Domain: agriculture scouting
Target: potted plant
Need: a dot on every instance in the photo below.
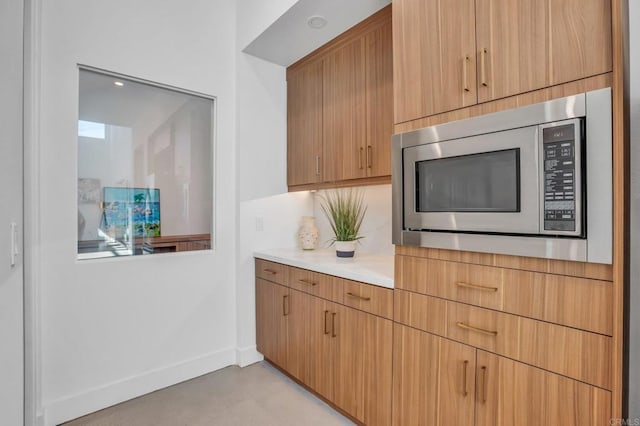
(345, 211)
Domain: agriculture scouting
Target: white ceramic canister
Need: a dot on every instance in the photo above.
(308, 233)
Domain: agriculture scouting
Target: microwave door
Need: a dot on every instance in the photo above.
(487, 183)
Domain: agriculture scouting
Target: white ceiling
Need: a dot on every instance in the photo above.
(290, 38)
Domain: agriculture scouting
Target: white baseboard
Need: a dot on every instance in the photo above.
(248, 355)
(92, 400)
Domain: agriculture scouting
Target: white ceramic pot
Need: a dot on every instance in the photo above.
(308, 233)
(345, 248)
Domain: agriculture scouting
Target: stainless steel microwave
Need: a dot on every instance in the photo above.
(531, 181)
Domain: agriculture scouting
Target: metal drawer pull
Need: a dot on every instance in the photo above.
(476, 287)
(465, 86)
(285, 311)
(465, 364)
(271, 271)
(326, 331)
(483, 69)
(366, 299)
(369, 156)
(483, 370)
(308, 282)
(333, 324)
(479, 330)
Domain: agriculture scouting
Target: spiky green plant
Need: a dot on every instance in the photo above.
(345, 211)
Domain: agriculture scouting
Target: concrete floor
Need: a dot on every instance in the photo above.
(254, 395)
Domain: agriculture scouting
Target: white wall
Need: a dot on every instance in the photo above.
(376, 226)
(114, 329)
(270, 222)
(255, 16)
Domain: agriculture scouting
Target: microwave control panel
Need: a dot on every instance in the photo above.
(560, 167)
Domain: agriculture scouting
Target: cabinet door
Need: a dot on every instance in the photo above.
(529, 44)
(272, 310)
(579, 39)
(509, 392)
(512, 48)
(304, 125)
(299, 357)
(344, 113)
(362, 365)
(434, 61)
(320, 345)
(433, 379)
(379, 92)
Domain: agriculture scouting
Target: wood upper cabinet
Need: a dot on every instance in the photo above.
(530, 44)
(304, 125)
(272, 310)
(344, 114)
(579, 39)
(379, 95)
(434, 61)
(341, 109)
(510, 393)
(512, 47)
(433, 380)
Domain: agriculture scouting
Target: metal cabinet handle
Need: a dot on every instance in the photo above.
(271, 271)
(333, 324)
(317, 165)
(307, 282)
(476, 287)
(355, 296)
(326, 331)
(285, 305)
(465, 77)
(369, 156)
(483, 388)
(360, 158)
(483, 67)
(465, 364)
(479, 330)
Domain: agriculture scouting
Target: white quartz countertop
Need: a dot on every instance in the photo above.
(376, 269)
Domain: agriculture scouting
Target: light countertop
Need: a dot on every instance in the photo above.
(376, 269)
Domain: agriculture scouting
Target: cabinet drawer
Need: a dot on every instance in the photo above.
(574, 302)
(315, 283)
(420, 311)
(574, 353)
(271, 271)
(368, 298)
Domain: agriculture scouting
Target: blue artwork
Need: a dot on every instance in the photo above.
(138, 206)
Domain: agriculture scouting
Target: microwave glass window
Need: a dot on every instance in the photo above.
(486, 182)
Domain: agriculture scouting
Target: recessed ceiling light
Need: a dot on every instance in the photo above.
(118, 83)
(316, 22)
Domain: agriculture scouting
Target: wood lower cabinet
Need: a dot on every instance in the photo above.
(433, 380)
(272, 310)
(342, 353)
(440, 382)
(362, 364)
(510, 393)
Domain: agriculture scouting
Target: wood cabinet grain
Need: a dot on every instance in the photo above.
(272, 307)
(434, 60)
(433, 380)
(304, 125)
(509, 393)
